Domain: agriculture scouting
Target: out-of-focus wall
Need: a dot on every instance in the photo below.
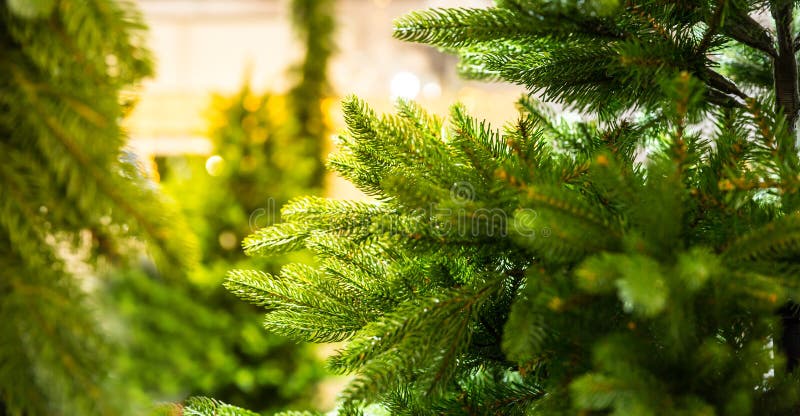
(204, 46)
(370, 60)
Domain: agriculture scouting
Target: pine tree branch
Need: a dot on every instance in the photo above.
(713, 26)
(777, 239)
(743, 28)
(151, 228)
(47, 311)
(723, 100)
(203, 406)
(718, 81)
(279, 238)
(448, 27)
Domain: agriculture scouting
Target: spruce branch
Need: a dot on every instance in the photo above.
(741, 27)
(723, 100)
(204, 406)
(177, 251)
(723, 84)
(713, 26)
(447, 27)
(774, 240)
(279, 238)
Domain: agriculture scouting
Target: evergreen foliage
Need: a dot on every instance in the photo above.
(630, 264)
(205, 406)
(68, 196)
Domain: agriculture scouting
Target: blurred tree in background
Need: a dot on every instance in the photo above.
(195, 337)
(70, 199)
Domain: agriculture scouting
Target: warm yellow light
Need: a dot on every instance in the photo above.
(251, 103)
(228, 240)
(214, 165)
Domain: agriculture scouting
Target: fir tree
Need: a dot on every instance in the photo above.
(629, 264)
(69, 195)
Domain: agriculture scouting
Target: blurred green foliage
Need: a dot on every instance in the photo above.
(70, 199)
(193, 337)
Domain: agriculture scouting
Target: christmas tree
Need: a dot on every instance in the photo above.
(638, 262)
(70, 198)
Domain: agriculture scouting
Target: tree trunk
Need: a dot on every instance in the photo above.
(787, 100)
(785, 64)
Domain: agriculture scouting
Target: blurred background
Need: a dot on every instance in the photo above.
(221, 126)
(204, 46)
